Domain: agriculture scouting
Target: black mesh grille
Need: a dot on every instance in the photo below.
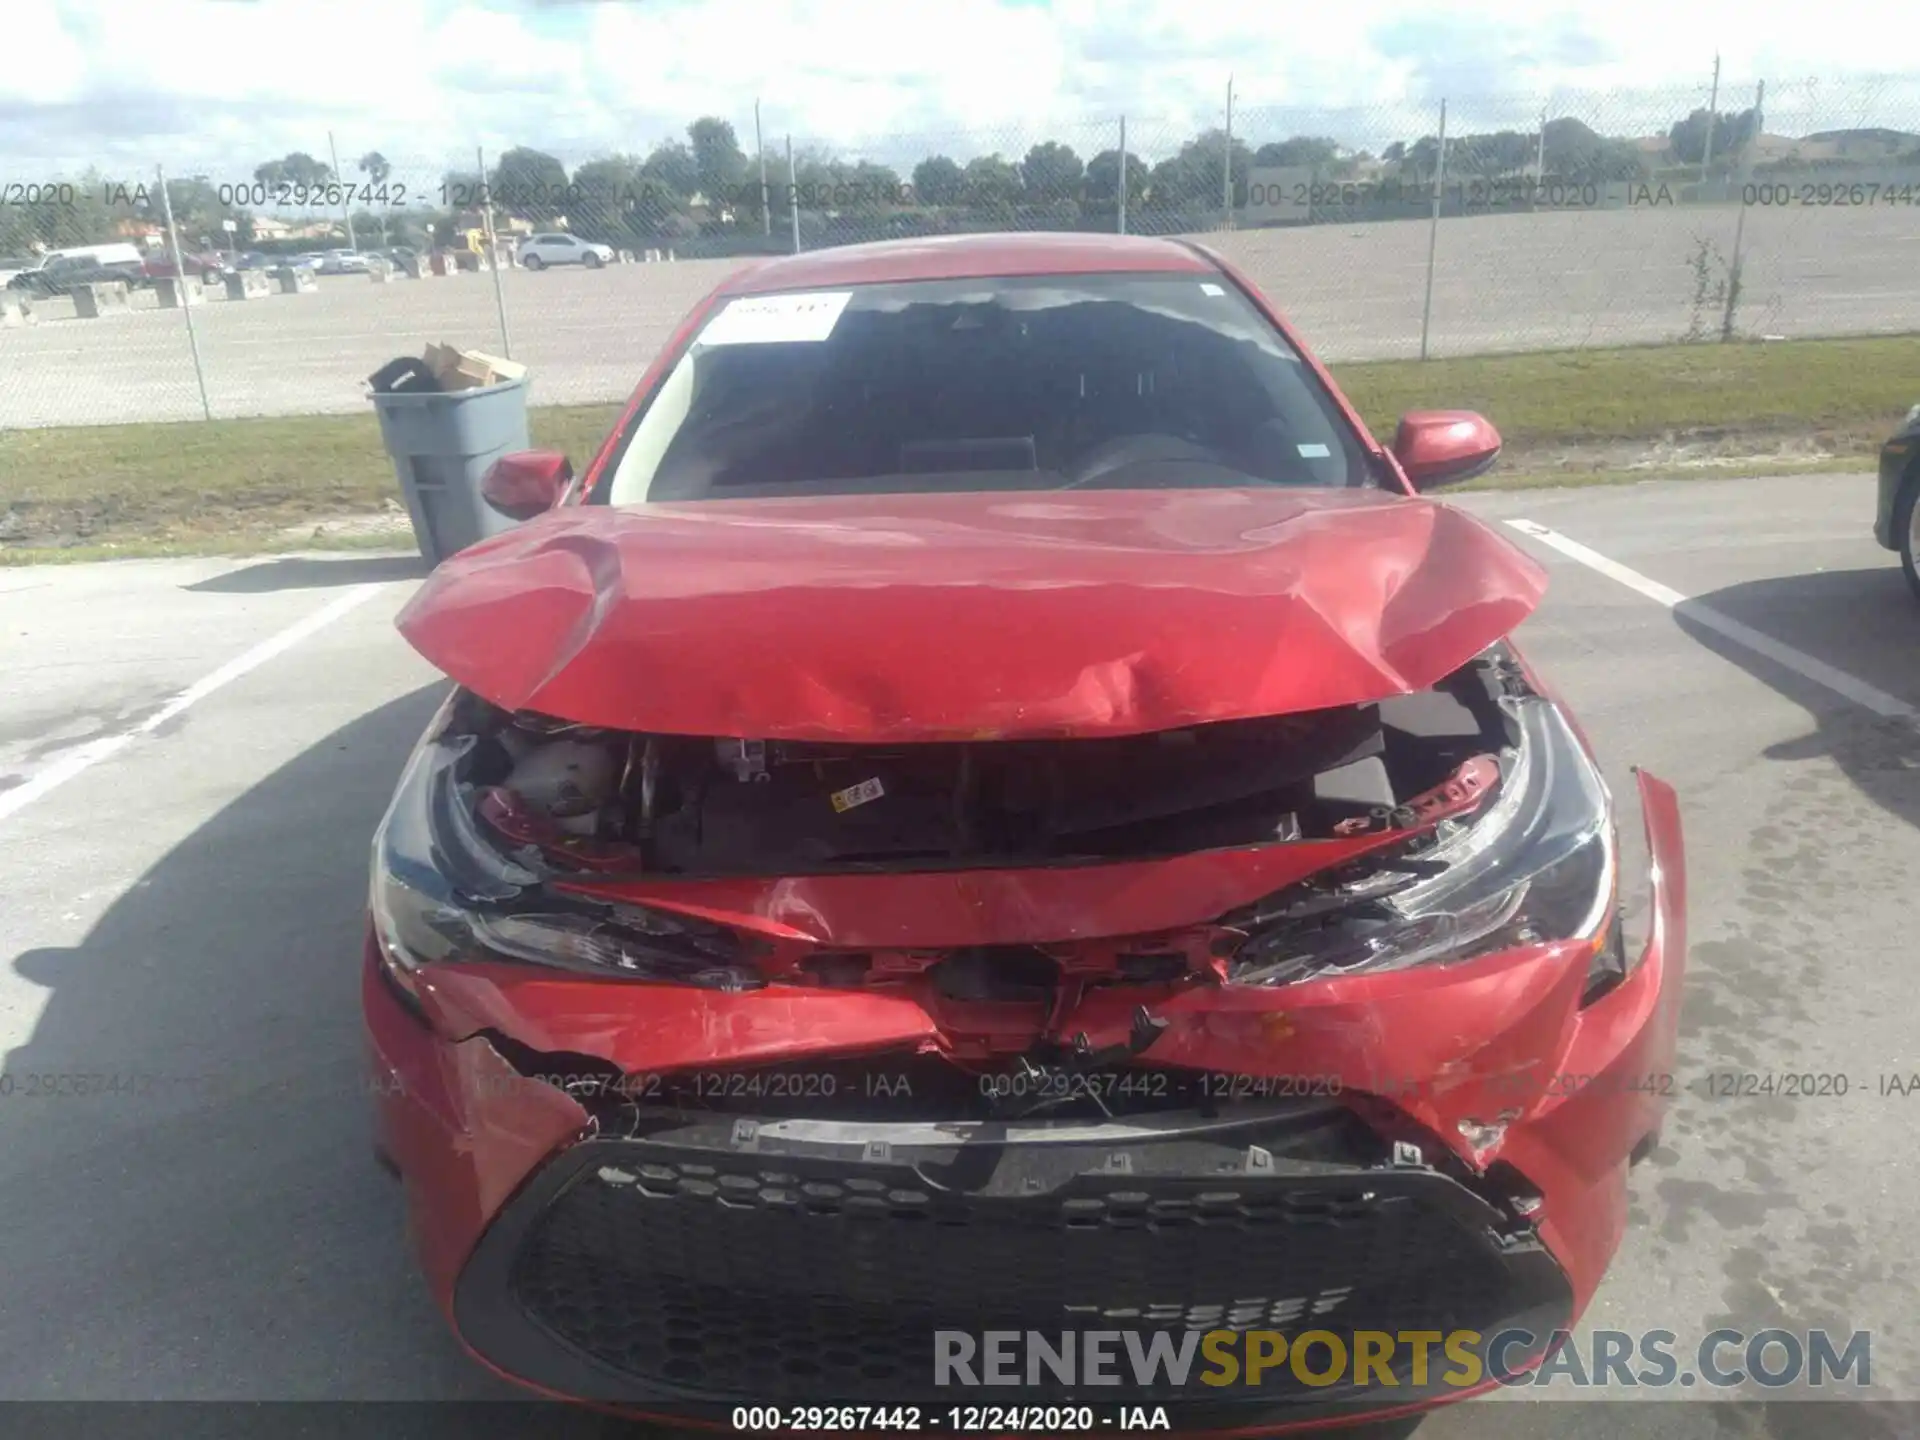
(802, 1278)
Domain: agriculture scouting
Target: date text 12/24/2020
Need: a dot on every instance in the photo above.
(948, 1420)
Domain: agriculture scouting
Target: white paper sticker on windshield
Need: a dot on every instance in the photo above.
(1207, 287)
(1314, 452)
(771, 319)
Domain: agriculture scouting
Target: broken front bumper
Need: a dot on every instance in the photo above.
(704, 1262)
(674, 1263)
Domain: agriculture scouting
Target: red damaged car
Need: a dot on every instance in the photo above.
(994, 804)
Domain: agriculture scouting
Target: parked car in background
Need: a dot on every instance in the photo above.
(835, 941)
(1896, 523)
(209, 266)
(262, 260)
(344, 262)
(57, 271)
(60, 274)
(115, 253)
(536, 252)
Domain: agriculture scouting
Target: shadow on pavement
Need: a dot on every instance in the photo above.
(1862, 622)
(211, 1222)
(301, 572)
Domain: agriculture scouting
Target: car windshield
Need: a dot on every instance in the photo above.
(1030, 383)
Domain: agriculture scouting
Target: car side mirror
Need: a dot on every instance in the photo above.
(527, 482)
(1444, 447)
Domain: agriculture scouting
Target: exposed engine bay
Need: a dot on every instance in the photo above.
(1465, 819)
(701, 806)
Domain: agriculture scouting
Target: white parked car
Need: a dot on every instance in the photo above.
(536, 252)
(344, 262)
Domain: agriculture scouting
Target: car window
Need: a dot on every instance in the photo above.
(1046, 382)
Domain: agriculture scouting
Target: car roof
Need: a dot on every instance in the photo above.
(968, 257)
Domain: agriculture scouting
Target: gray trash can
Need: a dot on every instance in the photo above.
(442, 444)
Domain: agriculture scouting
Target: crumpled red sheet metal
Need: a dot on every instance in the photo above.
(935, 909)
(1471, 1040)
(994, 615)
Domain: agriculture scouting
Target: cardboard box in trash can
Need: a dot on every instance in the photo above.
(458, 369)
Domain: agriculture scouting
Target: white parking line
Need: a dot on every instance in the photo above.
(86, 756)
(1806, 666)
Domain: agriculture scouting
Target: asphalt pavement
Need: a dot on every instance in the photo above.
(193, 755)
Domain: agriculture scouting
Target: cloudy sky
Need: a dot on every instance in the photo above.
(215, 86)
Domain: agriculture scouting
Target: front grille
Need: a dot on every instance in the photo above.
(698, 1263)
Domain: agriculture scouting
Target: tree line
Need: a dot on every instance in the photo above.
(705, 191)
(707, 187)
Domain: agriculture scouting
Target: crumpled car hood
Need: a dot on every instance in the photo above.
(988, 616)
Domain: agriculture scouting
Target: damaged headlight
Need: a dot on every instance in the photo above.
(1538, 864)
(441, 890)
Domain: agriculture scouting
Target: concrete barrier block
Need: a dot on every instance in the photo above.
(380, 274)
(247, 284)
(16, 310)
(289, 281)
(101, 298)
(417, 268)
(174, 292)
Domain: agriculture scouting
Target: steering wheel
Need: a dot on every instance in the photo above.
(1126, 450)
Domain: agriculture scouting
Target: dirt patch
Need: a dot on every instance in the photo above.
(391, 522)
(1708, 451)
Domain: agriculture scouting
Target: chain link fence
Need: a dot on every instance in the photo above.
(1727, 211)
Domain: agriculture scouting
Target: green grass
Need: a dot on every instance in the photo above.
(1840, 387)
(228, 486)
(214, 486)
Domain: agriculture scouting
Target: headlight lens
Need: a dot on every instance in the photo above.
(1538, 864)
(442, 891)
